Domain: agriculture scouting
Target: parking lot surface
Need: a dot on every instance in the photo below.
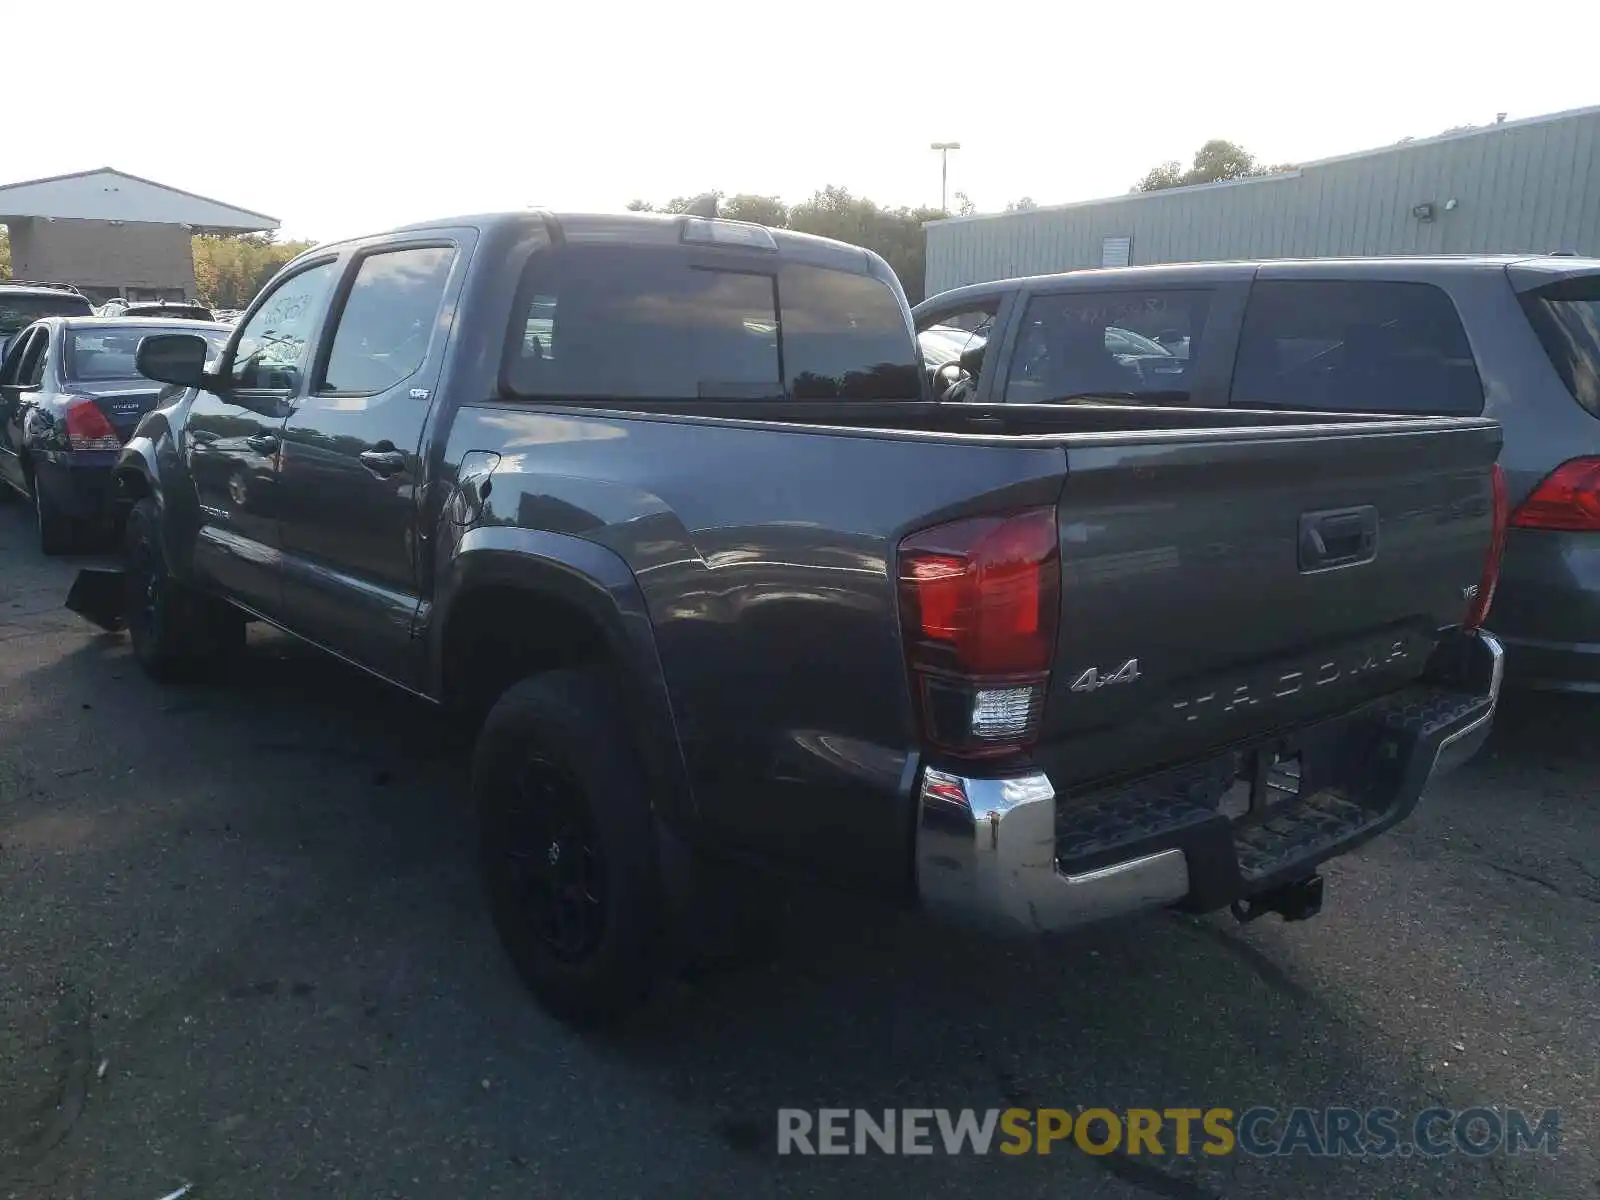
(242, 948)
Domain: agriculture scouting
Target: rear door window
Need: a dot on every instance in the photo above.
(1566, 316)
(1107, 346)
(1355, 346)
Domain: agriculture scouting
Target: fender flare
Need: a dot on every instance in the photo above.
(598, 582)
(138, 457)
(151, 455)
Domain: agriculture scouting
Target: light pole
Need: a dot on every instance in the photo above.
(944, 149)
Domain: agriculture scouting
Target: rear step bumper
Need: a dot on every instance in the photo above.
(1005, 854)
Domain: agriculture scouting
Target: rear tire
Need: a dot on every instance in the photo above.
(175, 631)
(58, 532)
(567, 846)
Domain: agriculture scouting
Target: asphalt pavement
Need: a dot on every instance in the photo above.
(242, 949)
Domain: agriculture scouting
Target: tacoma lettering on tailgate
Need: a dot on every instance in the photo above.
(1276, 683)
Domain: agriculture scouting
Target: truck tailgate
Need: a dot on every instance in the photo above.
(1220, 588)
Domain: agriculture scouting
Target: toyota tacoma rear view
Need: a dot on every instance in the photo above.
(662, 506)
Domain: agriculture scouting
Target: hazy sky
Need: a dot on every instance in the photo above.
(342, 118)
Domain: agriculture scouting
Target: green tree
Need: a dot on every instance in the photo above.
(834, 212)
(1217, 160)
(682, 204)
(895, 233)
(759, 210)
(229, 269)
(1025, 204)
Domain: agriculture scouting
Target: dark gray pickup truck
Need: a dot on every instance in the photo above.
(663, 502)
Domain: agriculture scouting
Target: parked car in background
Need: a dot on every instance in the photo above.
(23, 302)
(1513, 337)
(70, 395)
(942, 344)
(661, 502)
(182, 310)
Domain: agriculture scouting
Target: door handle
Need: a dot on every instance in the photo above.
(263, 443)
(383, 462)
(1340, 537)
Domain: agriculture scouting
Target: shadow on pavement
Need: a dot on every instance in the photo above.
(255, 901)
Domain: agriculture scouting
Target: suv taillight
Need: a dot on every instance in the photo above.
(1567, 499)
(1478, 609)
(979, 603)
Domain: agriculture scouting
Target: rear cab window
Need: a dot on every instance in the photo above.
(845, 337)
(1566, 317)
(1355, 346)
(663, 324)
(1138, 345)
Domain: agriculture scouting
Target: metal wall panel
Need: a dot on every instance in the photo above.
(1529, 185)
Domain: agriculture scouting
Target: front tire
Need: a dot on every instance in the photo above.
(566, 845)
(175, 630)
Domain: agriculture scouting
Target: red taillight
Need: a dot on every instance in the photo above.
(1478, 610)
(88, 429)
(979, 603)
(1568, 499)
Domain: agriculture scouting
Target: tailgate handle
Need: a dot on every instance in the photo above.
(1338, 537)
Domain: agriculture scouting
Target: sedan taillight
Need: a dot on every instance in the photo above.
(1567, 499)
(88, 429)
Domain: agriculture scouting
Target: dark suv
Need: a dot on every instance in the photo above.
(23, 301)
(182, 310)
(1516, 338)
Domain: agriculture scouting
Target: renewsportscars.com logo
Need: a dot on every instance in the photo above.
(1262, 1132)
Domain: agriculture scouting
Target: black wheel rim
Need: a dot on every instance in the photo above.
(144, 590)
(557, 872)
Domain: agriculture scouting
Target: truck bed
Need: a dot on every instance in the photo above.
(766, 544)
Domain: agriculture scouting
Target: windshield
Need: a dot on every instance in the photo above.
(19, 310)
(107, 352)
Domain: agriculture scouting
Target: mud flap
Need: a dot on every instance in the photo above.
(96, 595)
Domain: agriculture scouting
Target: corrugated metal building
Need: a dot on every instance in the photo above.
(1530, 185)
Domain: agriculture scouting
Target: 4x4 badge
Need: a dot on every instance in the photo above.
(1094, 679)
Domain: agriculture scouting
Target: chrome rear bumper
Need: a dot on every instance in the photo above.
(986, 853)
(1461, 745)
(986, 848)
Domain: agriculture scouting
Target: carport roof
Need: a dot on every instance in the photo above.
(106, 194)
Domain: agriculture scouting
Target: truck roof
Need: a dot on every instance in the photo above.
(1200, 273)
(647, 229)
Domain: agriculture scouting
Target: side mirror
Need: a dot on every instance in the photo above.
(178, 358)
